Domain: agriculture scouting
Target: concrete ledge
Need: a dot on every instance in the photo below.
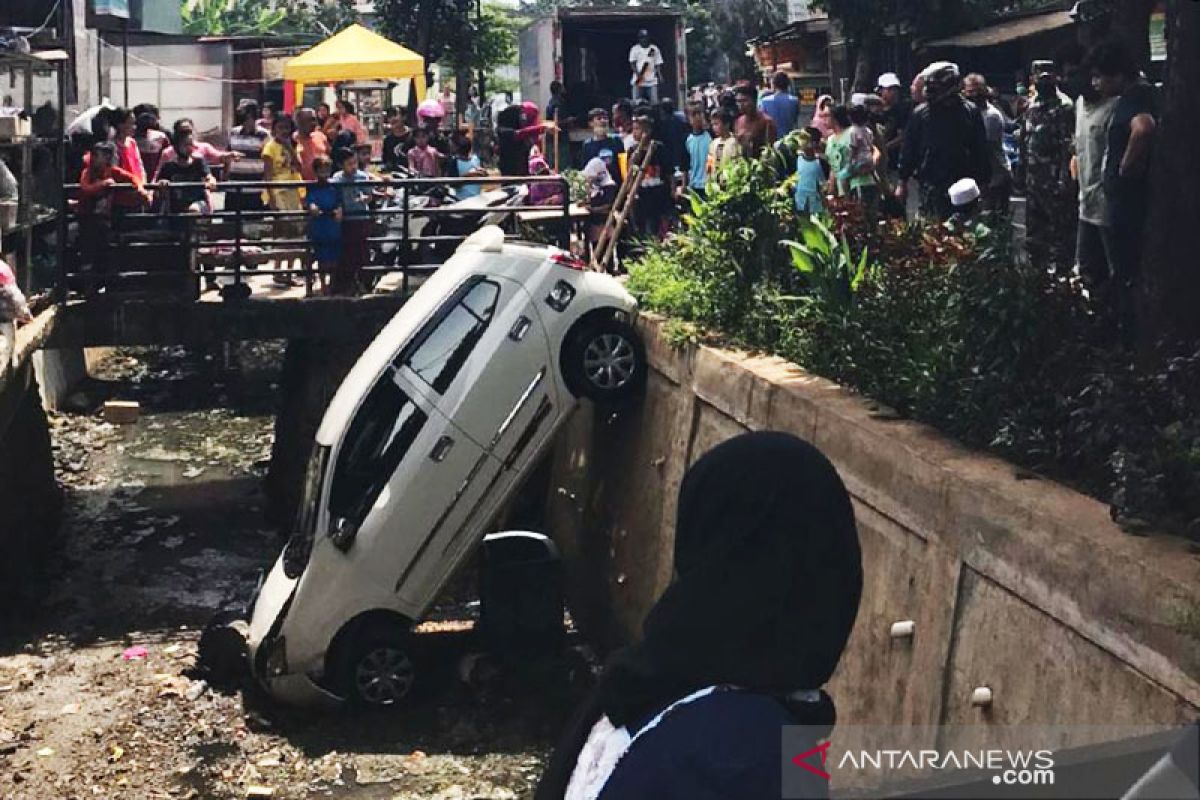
(992, 565)
(183, 322)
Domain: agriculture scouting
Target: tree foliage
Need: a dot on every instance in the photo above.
(450, 31)
(483, 43)
(267, 17)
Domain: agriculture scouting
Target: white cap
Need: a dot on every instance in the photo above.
(887, 80)
(964, 192)
(858, 99)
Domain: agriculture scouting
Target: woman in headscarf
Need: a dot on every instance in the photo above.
(768, 577)
(823, 117)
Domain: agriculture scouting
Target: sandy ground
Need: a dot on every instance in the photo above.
(99, 696)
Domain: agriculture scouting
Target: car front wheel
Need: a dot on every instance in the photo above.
(605, 361)
(378, 671)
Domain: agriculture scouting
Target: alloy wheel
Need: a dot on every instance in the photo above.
(384, 676)
(609, 361)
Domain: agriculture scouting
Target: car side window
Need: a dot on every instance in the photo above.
(381, 433)
(442, 347)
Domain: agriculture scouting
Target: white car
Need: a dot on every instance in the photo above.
(432, 430)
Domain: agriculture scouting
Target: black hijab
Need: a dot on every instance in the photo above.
(768, 578)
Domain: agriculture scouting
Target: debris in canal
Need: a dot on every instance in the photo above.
(147, 556)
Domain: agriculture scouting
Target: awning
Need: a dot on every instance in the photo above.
(1008, 31)
(356, 54)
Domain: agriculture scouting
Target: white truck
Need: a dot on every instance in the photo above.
(587, 50)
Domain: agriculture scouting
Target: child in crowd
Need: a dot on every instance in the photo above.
(837, 150)
(697, 146)
(724, 146)
(547, 193)
(13, 306)
(396, 143)
(281, 163)
(466, 165)
(810, 175)
(356, 222)
(603, 144)
(602, 192)
(363, 151)
(654, 198)
(100, 176)
(186, 167)
(861, 175)
(324, 202)
(96, 189)
(422, 158)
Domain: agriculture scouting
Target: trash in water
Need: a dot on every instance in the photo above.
(134, 653)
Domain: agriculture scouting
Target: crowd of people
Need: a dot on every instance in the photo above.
(131, 164)
(1076, 142)
(1081, 160)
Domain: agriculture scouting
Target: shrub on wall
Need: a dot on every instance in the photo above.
(944, 324)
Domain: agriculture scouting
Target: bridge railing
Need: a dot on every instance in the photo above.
(162, 250)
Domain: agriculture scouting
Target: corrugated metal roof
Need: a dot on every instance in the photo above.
(1007, 31)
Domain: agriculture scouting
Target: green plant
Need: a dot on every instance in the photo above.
(945, 324)
(828, 264)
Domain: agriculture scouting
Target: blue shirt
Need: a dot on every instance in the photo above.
(809, 177)
(462, 167)
(356, 200)
(726, 745)
(784, 109)
(697, 150)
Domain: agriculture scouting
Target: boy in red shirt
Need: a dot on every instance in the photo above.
(96, 191)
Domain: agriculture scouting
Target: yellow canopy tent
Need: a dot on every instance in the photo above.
(355, 53)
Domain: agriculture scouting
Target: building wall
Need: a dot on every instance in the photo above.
(183, 80)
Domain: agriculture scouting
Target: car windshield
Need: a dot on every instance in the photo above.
(295, 555)
(382, 431)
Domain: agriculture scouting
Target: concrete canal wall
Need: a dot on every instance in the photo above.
(30, 500)
(1011, 582)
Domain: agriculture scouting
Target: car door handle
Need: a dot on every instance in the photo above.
(441, 449)
(519, 329)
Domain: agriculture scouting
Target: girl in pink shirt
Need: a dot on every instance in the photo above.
(129, 157)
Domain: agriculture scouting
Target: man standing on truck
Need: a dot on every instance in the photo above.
(645, 62)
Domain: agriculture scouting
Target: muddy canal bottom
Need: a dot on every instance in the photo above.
(164, 526)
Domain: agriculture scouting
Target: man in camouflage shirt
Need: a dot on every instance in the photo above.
(1051, 210)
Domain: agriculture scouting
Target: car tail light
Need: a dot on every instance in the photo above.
(569, 261)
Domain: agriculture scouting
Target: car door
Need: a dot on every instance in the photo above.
(484, 363)
(398, 474)
(492, 385)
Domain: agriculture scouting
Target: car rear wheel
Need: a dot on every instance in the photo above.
(377, 670)
(605, 361)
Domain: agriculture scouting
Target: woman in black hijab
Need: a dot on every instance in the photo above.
(768, 578)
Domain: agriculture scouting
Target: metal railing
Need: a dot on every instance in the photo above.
(411, 233)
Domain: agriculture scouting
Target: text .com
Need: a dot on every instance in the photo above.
(1010, 767)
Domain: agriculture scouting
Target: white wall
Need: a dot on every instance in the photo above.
(183, 80)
